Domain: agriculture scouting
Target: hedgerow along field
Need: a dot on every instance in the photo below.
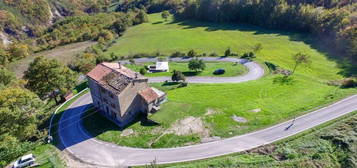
(231, 69)
(278, 102)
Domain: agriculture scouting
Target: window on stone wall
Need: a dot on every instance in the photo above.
(111, 95)
(113, 113)
(102, 90)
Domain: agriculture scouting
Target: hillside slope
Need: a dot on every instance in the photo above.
(20, 19)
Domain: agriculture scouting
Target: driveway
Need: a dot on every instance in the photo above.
(255, 71)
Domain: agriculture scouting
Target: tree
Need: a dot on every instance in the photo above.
(141, 17)
(300, 58)
(227, 52)
(192, 53)
(165, 15)
(196, 65)
(3, 56)
(178, 76)
(18, 51)
(142, 71)
(6, 76)
(48, 77)
(248, 55)
(257, 47)
(18, 109)
(84, 62)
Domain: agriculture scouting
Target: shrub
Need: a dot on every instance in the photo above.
(227, 52)
(349, 83)
(213, 54)
(192, 53)
(196, 65)
(142, 71)
(177, 76)
(177, 54)
(248, 55)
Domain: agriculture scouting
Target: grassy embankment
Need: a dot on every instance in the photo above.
(278, 102)
(329, 145)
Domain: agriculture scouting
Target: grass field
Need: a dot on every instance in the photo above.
(231, 69)
(278, 102)
(168, 37)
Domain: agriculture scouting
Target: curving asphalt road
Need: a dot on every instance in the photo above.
(90, 150)
(76, 140)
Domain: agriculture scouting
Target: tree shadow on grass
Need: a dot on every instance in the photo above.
(158, 22)
(170, 83)
(191, 73)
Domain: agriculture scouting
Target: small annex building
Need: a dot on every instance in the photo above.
(121, 94)
(159, 67)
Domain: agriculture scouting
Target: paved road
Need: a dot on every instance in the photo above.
(255, 71)
(77, 141)
(86, 148)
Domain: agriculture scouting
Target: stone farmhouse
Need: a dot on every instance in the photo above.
(121, 94)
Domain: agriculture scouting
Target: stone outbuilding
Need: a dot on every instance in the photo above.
(121, 94)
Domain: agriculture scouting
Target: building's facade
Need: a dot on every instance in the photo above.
(122, 94)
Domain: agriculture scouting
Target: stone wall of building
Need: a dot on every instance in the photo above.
(128, 97)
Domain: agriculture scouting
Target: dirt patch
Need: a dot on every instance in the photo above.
(188, 126)
(239, 119)
(127, 132)
(210, 112)
(157, 130)
(255, 110)
(73, 162)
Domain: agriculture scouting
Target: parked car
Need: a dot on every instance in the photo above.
(219, 71)
(24, 161)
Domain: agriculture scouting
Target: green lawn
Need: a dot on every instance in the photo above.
(48, 156)
(168, 37)
(232, 69)
(278, 102)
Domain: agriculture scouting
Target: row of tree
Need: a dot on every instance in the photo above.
(23, 111)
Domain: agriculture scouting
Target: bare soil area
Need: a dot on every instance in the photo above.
(64, 54)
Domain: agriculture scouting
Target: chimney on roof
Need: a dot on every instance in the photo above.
(119, 63)
(136, 75)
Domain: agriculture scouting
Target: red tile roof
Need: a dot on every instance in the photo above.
(99, 72)
(148, 95)
(113, 76)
